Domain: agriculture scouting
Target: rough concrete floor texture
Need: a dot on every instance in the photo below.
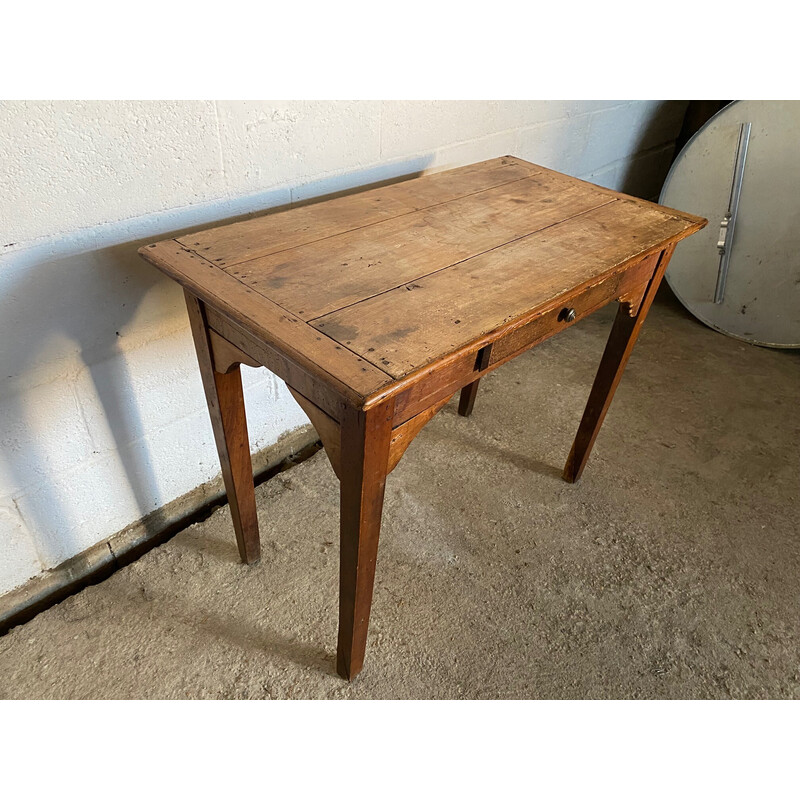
(670, 571)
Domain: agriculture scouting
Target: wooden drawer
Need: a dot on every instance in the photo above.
(470, 365)
(632, 281)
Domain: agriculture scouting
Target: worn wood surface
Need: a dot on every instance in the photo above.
(401, 330)
(618, 350)
(624, 283)
(403, 434)
(365, 454)
(294, 344)
(227, 355)
(329, 430)
(359, 292)
(375, 308)
(330, 395)
(227, 245)
(324, 276)
(226, 408)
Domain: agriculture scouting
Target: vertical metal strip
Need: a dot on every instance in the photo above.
(725, 241)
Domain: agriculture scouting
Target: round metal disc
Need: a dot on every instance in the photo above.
(761, 303)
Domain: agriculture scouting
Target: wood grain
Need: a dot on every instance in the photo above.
(329, 430)
(419, 389)
(292, 341)
(339, 271)
(619, 285)
(365, 457)
(226, 408)
(403, 435)
(693, 220)
(402, 330)
(618, 350)
(377, 307)
(227, 355)
(231, 244)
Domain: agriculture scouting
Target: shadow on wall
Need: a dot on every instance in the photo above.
(71, 310)
(644, 175)
(70, 305)
(56, 316)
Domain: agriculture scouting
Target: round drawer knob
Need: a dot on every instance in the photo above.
(567, 315)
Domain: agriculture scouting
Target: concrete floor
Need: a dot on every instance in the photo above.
(672, 570)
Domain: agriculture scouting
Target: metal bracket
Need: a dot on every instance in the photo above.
(726, 226)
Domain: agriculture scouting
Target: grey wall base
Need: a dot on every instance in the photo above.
(102, 559)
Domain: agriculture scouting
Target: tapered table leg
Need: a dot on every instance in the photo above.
(466, 400)
(620, 344)
(226, 407)
(364, 462)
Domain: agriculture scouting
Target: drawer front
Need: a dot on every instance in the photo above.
(632, 281)
(438, 381)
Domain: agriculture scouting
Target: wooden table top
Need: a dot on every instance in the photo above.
(368, 288)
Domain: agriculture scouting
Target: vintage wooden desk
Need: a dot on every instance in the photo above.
(376, 307)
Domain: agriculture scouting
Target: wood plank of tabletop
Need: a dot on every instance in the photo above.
(230, 244)
(295, 343)
(701, 221)
(324, 276)
(412, 325)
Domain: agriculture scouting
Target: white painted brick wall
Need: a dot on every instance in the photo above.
(102, 416)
